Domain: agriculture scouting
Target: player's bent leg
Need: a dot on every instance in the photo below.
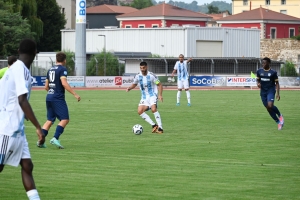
(178, 96)
(1, 168)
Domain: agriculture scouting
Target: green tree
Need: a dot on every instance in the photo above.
(54, 21)
(13, 28)
(212, 9)
(70, 62)
(288, 69)
(140, 4)
(28, 10)
(113, 67)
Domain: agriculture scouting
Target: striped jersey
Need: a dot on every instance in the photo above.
(15, 82)
(182, 72)
(148, 84)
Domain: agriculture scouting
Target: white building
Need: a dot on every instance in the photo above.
(170, 42)
(68, 7)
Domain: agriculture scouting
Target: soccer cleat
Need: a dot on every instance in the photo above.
(189, 105)
(279, 126)
(154, 128)
(177, 104)
(40, 145)
(281, 119)
(159, 131)
(56, 142)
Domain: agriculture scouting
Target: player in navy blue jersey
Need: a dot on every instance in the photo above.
(56, 83)
(267, 81)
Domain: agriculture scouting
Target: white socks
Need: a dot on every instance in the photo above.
(33, 195)
(158, 119)
(188, 96)
(147, 118)
(178, 96)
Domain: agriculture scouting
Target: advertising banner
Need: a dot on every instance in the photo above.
(207, 81)
(240, 81)
(108, 81)
(289, 81)
(80, 11)
(76, 81)
(168, 80)
(38, 80)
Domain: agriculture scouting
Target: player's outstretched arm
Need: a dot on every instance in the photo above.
(160, 91)
(131, 87)
(277, 90)
(174, 71)
(46, 85)
(25, 106)
(66, 85)
(189, 60)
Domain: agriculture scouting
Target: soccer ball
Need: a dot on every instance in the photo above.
(137, 129)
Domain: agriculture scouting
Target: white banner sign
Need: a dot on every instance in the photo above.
(80, 11)
(240, 81)
(108, 81)
(76, 81)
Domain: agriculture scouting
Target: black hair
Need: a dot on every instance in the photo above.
(143, 64)
(267, 59)
(27, 46)
(11, 60)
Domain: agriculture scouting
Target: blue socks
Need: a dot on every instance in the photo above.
(59, 131)
(275, 109)
(45, 132)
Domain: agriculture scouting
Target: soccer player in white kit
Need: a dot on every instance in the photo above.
(151, 90)
(15, 89)
(182, 78)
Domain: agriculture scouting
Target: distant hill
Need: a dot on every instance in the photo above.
(222, 5)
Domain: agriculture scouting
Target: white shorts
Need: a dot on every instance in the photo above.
(183, 84)
(149, 101)
(13, 149)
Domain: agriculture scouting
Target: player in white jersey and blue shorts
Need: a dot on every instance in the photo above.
(182, 78)
(151, 90)
(15, 87)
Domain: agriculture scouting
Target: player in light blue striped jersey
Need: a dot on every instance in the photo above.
(151, 90)
(182, 78)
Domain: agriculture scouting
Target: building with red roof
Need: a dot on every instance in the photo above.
(162, 15)
(272, 24)
(105, 15)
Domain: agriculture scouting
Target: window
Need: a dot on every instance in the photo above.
(245, 2)
(141, 26)
(292, 32)
(268, 2)
(283, 11)
(87, 25)
(154, 25)
(127, 26)
(62, 10)
(273, 33)
(283, 2)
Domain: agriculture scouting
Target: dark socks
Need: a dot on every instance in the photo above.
(59, 131)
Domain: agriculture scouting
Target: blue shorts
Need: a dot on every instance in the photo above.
(267, 96)
(57, 109)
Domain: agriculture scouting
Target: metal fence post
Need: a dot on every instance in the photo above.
(166, 66)
(96, 66)
(236, 69)
(212, 67)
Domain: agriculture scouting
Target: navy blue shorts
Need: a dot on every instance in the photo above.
(267, 97)
(57, 109)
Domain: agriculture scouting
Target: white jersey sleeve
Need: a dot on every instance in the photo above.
(154, 78)
(176, 64)
(21, 76)
(136, 79)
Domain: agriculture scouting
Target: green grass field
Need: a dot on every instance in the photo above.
(226, 146)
